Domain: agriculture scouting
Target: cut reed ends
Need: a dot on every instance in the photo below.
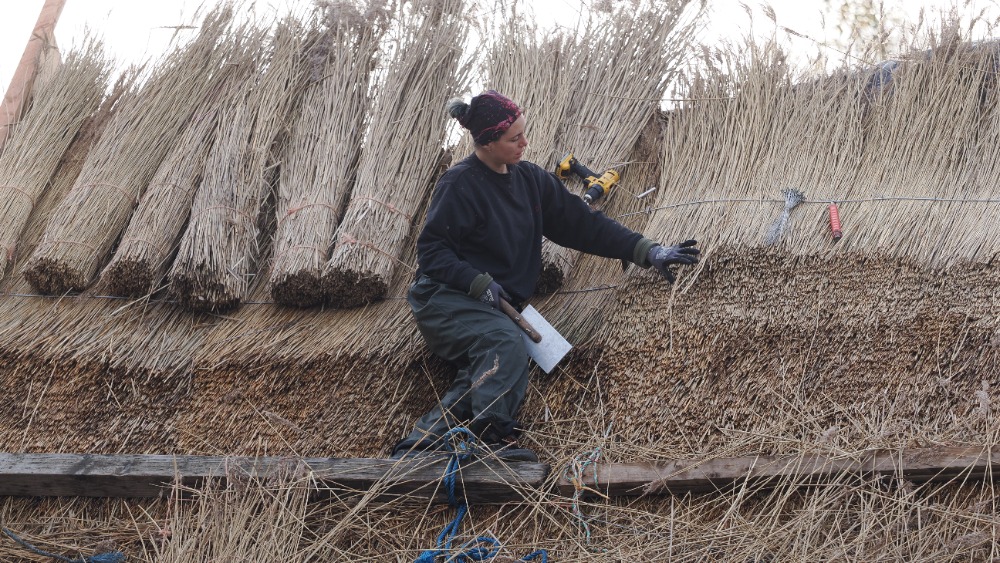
(83, 230)
(396, 170)
(62, 103)
(321, 156)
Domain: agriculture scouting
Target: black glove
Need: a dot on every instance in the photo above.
(492, 294)
(662, 257)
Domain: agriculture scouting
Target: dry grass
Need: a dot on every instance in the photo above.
(403, 147)
(321, 157)
(218, 255)
(61, 105)
(885, 339)
(82, 232)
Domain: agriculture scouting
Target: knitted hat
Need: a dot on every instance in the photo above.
(487, 117)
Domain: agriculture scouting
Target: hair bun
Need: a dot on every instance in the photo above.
(457, 109)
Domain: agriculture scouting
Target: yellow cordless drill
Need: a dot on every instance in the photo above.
(597, 186)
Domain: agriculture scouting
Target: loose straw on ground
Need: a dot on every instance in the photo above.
(29, 159)
(321, 156)
(401, 152)
(82, 232)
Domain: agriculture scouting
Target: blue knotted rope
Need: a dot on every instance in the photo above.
(482, 548)
(110, 557)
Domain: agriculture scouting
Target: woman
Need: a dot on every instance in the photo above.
(482, 243)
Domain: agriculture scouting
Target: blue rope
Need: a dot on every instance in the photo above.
(110, 557)
(482, 548)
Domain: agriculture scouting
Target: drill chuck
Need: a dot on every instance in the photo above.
(600, 187)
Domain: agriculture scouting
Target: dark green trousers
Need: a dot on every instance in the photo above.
(492, 364)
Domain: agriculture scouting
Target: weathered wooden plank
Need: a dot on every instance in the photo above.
(144, 476)
(671, 477)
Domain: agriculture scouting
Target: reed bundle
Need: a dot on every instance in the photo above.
(218, 254)
(82, 232)
(622, 77)
(401, 151)
(321, 156)
(149, 243)
(29, 159)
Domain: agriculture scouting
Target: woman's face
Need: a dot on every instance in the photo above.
(509, 148)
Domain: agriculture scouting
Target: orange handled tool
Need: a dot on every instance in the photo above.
(835, 222)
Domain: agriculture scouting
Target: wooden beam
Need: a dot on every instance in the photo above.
(677, 477)
(16, 96)
(145, 476)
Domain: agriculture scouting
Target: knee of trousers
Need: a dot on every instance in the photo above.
(506, 341)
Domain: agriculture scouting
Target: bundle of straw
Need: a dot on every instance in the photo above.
(218, 254)
(321, 157)
(150, 241)
(82, 232)
(622, 78)
(32, 153)
(145, 249)
(401, 153)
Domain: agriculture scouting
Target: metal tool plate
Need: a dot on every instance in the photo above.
(553, 346)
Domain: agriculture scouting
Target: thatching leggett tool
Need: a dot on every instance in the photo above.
(597, 186)
(544, 343)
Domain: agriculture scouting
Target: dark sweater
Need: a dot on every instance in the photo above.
(483, 225)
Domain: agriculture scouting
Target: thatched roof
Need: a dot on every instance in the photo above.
(888, 338)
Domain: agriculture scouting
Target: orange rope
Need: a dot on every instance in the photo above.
(120, 189)
(348, 239)
(226, 207)
(155, 246)
(187, 191)
(66, 241)
(388, 206)
(295, 210)
(27, 196)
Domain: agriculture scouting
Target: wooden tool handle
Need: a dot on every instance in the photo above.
(520, 321)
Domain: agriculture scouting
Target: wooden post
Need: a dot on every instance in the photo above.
(16, 97)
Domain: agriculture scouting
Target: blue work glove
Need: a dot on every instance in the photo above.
(662, 257)
(492, 294)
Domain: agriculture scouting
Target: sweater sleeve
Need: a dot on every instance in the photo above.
(450, 218)
(570, 222)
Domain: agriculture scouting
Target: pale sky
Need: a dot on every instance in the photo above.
(132, 29)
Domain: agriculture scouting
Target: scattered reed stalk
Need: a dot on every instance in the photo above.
(321, 157)
(83, 231)
(218, 254)
(259, 518)
(149, 243)
(61, 104)
(401, 151)
(621, 78)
